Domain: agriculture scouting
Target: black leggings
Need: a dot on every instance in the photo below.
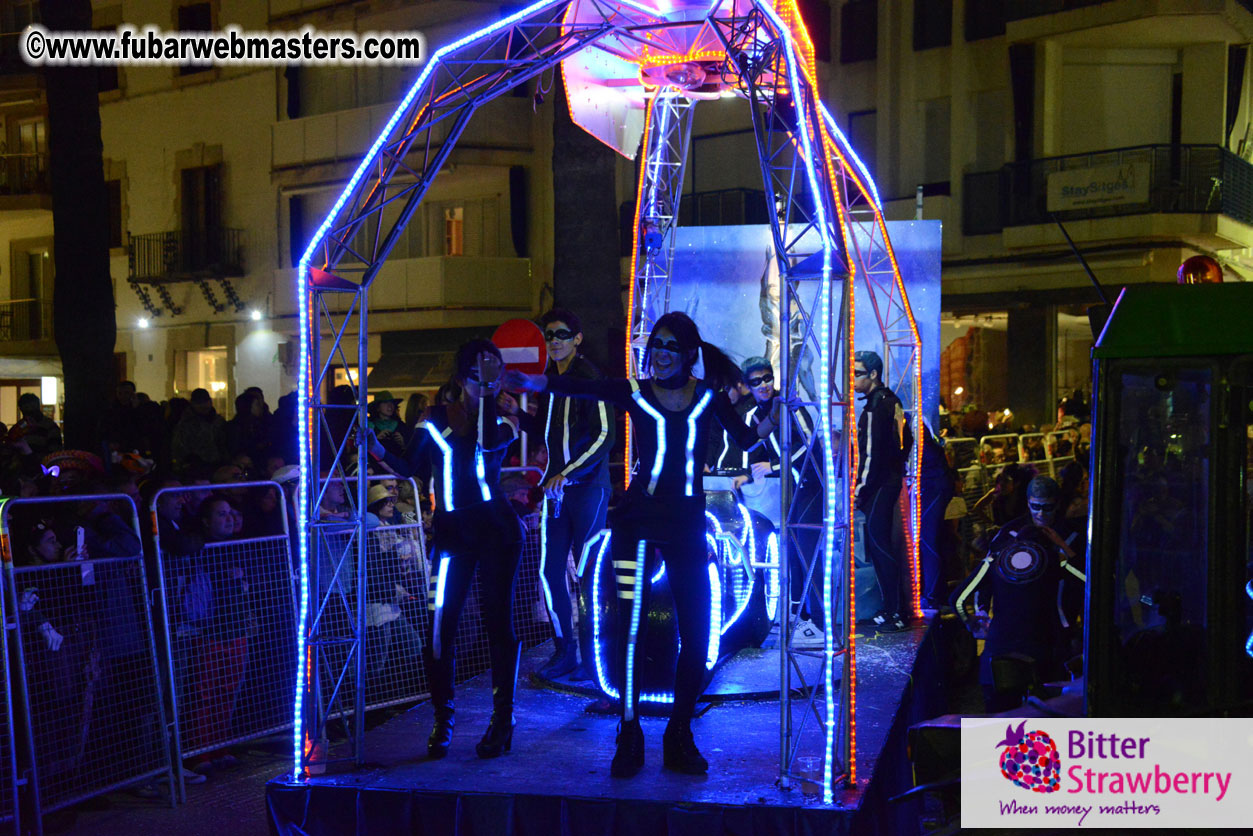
(582, 515)
(936, 495)
(491, 540)
(879, 507)
(676, 528)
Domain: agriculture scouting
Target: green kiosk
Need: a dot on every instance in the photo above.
(1169, 616)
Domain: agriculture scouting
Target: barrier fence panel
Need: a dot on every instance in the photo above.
(86, 673)
(9, 818)
(397, 587)
(229, 608)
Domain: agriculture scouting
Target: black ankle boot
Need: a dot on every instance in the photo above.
(498, 737)
(564, 660)
(441, 735)
(629, 759)
(680, 752)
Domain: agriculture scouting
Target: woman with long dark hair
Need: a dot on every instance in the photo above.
(458, 450)
(672, 413)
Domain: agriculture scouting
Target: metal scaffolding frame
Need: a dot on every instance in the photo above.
(829, 234)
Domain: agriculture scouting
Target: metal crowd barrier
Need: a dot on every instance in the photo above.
(229, 616)
(9, 815)
(90, 703)
(400, 600)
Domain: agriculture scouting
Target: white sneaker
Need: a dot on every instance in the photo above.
(807, 636)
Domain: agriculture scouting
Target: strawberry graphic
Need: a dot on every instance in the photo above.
(1030, 759)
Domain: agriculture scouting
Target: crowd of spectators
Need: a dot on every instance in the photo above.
(89, 648)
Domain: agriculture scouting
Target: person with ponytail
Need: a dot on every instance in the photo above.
(672, 413)
(458, 451)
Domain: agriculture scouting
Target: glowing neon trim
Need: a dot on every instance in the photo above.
(772, 575)
(637, 602)
(661, 573)
(743, 596)
(660, 423)
(446, 454)
(715, 613)
(480, 473)
(823, 384)
(1248, 645)
(543, 561)
(439, 605)
(691, 437)
(602, 679)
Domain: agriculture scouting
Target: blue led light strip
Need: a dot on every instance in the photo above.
(305, 385)
(772, 575)
(849, 152)
(660, 424)
(823, 384)
(637, 600)
(691, 437)
(715, 611)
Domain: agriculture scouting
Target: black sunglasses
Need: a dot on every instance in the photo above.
(1042, 506)
(563, 334)
(757, 381)
(861, 373)
(657, 344)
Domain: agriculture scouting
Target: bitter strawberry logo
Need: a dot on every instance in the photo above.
(1030, 759)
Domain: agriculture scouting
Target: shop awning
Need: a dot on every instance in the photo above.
(17, 368)
(419, 359)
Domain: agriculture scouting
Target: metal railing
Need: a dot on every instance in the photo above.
(89, 698)
(25, 319)
(181, 255)
(1182, 179)
(24, 174)
(228, 613)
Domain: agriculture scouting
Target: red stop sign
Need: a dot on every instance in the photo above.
(522, 346)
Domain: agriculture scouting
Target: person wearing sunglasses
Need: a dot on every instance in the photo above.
(807, 498)
(1034, 574)
(723, 453)
(672, 412)
(884, 440)
(578, 435)
(458, 450)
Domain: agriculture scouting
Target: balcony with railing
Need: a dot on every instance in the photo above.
(1143, 180)
(186, 255)
(24, 182)
(25, 320)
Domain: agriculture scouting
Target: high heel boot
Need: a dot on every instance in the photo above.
(629, 759)
(441, 735)
(498, 737)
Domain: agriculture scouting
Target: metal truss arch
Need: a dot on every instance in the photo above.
(829, 237)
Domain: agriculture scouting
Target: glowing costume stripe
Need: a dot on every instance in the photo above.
(691, 438)
(596, 445)
(446, 452)
(660, 423)
(970, 587)
(543, 561)
(439, 604)
(742, 595)
(1076, 572)
(565, 433)
(628, 705)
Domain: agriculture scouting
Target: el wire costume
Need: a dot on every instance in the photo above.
(579, 435)
(664, 509)
(723, 453)
(473, 525)
(1036, 592)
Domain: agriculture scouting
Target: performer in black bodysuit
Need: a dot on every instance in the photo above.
(458, 451)
(664, 507)
(579, 435)
(1033, 574)
(883, 441)
(807, 499)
